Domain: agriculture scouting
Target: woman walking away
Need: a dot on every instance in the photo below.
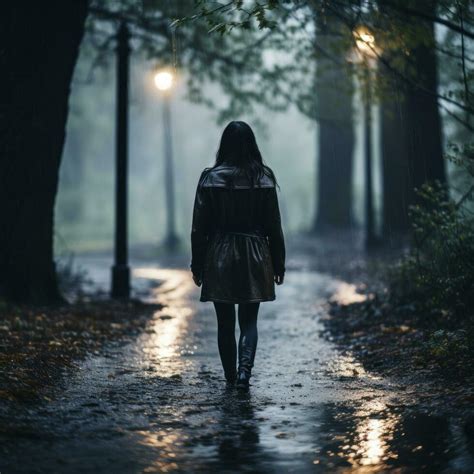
(238, 249)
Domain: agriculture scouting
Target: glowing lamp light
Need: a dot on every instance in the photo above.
(365, 42)
(164, 80)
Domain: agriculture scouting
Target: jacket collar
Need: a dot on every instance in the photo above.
(224, 175)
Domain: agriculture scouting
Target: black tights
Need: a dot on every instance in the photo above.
(226, 336)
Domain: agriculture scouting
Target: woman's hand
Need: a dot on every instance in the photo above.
(197, 280)
(279, 279)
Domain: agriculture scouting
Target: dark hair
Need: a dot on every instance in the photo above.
(239, 148)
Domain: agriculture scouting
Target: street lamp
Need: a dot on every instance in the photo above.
(365, 42)
(366, 54)
(120, 269)
(164, 81)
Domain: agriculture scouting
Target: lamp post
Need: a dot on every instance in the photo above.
(164, 81)
(120, 269)
(366, 54)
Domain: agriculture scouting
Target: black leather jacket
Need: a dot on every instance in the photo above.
(237, 239)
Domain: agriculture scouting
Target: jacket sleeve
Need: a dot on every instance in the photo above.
(199, 231)
(275, 233)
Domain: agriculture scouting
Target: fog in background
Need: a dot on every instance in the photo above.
(85, 203)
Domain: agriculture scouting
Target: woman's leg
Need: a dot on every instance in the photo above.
(248, 337)
(226, 338)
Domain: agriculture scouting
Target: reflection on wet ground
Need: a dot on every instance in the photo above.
(160, 404)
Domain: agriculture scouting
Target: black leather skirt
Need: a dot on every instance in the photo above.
(238, 269)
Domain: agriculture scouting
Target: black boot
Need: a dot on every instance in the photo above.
(243, 380)
(246, 358)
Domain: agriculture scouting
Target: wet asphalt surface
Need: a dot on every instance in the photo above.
(160, 404)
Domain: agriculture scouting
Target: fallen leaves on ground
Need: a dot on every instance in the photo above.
(38, 344)
(411, 347)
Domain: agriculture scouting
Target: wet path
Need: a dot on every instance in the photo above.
(160, 403)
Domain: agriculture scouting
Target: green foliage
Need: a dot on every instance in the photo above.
(463, 157)
(444, 345)
(264, 52)
(438, 275)
(217, 15)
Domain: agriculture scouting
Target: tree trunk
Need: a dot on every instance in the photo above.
(40, 44)
(334, 89)
(412, 152)
(423, 117)
(397, 179)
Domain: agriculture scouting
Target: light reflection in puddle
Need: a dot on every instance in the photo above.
(175, 283)
(168, 328)
(372, 444)
(374, 434)
(168, 446)
(346, 366)
(359, 441)
(164, 347)
(346, 294)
